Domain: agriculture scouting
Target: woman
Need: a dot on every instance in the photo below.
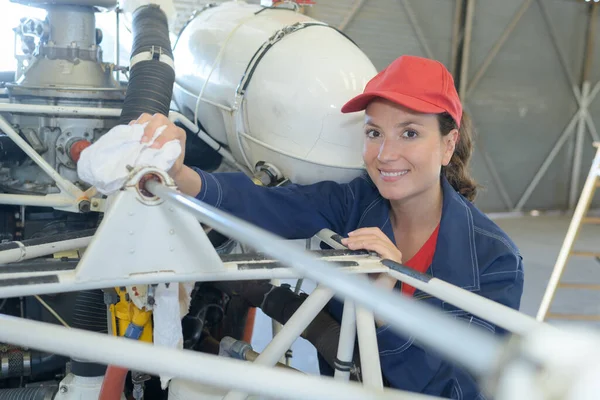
(413, 206)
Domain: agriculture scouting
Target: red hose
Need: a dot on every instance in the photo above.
(113, 384)
(249, 326)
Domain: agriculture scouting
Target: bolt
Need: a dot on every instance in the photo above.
(84, 206)
(95, 204)
(151, 300)
(64, 389)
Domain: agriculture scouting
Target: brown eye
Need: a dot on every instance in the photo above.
(372, 134)
(410, 134)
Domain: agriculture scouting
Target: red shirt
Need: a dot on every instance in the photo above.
(422, 260)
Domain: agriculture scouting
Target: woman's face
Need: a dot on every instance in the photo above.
(404, 150)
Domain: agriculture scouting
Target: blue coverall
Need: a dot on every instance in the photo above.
(472, 252)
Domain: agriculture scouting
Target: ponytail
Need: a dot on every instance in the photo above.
(457, 171)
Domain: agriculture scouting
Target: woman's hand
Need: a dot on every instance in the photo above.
(186, 179)
(374, 239)
(171, 132)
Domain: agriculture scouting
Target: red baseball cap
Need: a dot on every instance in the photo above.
(417, 83)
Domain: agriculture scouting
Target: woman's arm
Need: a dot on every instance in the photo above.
(292, 211)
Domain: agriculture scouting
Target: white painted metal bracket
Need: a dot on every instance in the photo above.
(141, 234)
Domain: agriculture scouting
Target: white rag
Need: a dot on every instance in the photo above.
(172, 304)
(104, 163)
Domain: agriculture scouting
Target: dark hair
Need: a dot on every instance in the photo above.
(457, 171)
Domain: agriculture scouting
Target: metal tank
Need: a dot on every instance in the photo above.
(269, 83)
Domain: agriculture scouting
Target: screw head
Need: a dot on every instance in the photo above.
(64, 389)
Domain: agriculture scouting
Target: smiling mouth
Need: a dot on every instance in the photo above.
(393, 174)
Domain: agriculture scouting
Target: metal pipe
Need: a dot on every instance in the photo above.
(345, 351)
(216, 371)
(592, 128)
(578, 150)
(28, 249)
(458, 6)
(494, 312)
(68, 281)
(175, 116)
(117, 45)
(417, 28)
(538, 176)
(489, 163)
(497, 46)
(295, 326)
(276, 326)
(291, 331)
(59, 110)
(350, 16)
(61, 182)
(589, 45)
(554, 38)
(49, 200)
(466, 53)
(452, 339)
(370, 365)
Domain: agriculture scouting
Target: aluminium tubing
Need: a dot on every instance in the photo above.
(473, 349)
(18, 251)
(59, 110)
(216, 371)
(496, 313)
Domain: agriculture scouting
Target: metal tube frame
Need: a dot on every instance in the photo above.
(477, 351)
(216, 371)
(368, 348)
(345, 351)
(289, 332)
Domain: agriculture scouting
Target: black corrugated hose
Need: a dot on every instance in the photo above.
(29, 393)
(150, 87)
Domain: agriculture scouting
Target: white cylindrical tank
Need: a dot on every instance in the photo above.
(289, 113)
